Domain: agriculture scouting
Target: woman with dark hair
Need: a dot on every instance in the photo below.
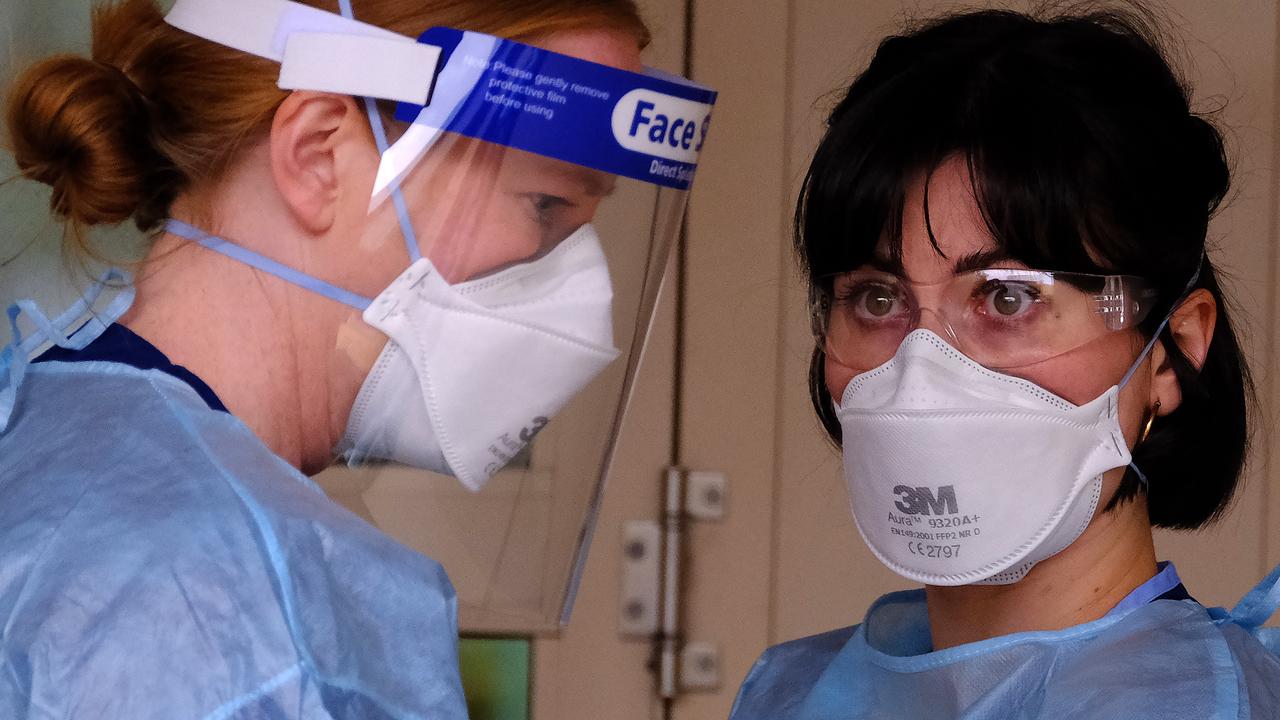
(1025, 353)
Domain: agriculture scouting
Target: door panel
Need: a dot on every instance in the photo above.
(588, 670)
(730, 365)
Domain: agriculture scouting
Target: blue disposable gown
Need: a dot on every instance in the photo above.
(158, 561)
(1165, 660)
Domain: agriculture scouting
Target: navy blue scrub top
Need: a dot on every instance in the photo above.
(119, 344)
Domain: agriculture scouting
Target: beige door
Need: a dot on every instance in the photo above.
(786, 561)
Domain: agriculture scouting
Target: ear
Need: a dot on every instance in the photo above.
(306, 134)
(1192, 328)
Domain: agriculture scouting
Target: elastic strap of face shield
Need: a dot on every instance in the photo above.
(380, 137)
(323, 52)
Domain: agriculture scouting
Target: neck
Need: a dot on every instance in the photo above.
(286, 361)
(1114, 556)
(237, 330)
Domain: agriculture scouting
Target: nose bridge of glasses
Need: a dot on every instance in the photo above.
(935, 321)
(928, 301)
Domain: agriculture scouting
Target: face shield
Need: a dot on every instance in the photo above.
(532, 197)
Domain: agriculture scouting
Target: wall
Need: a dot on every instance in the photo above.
(31, 264)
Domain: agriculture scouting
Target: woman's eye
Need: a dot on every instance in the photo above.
(1008, 301)
(875, 302)
(545, 206)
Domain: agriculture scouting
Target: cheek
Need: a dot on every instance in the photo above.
(367, 250)
(491, 237)
(837, 378)
(1080, 376)
(575, 217)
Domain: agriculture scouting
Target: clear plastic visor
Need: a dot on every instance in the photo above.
(493, 221)
(552, 269)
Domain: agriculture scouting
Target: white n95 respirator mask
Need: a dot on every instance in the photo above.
(958, 474)
(473, 371)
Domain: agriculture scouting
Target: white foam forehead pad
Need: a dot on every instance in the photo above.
(317, 50)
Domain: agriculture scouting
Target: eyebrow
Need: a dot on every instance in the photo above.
(890, 265)
(980, 260)
(593, 182)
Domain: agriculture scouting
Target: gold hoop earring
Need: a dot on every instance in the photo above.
(1151, 419)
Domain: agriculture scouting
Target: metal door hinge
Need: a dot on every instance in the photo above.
(653, 555)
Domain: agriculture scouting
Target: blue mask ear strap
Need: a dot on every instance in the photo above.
(380, 137)
(1146, 350)
(1195, 278)
(1142, 478)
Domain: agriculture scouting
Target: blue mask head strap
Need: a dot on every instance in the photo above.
(266, 264)
(1186, 292)
(380, 137)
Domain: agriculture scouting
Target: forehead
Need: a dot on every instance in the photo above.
(614, 48)
(943, 229)
(557, 175)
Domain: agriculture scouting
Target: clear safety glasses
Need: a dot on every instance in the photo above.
(999, 317)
